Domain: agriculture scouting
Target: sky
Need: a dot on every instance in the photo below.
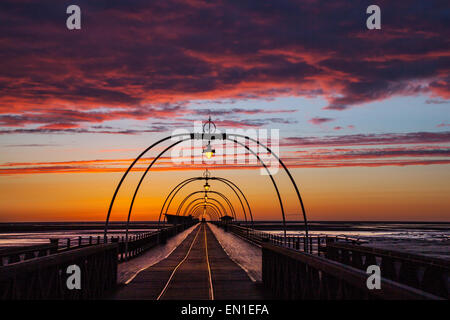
(363, 115)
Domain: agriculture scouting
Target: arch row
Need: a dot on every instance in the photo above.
(230, 205)
(237, 191)
(207, 136)
(210, 205)
(193, 202)
(197, 211)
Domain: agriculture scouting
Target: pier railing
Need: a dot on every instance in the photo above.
(140, 243)
(295, 275)
(137, 244)
(45, 277)
(314, 244)
(17, 254)
(39, 271)
(425, 273)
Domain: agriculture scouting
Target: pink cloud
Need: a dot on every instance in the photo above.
(319, 120)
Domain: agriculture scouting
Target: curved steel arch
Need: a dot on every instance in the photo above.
(129, 169)
(212, 217)
(205, 205)
(210, 205)
(214, 192)
(305, 220)
(243, 195)
(197, 209)
(139, 184)
(184, 183)
(271, 178)
(227, 182)
(221, 210)
(224, 136)
(192, 136)
(198, 199)
(187, 181)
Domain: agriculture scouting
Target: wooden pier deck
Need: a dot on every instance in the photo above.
(198, 269)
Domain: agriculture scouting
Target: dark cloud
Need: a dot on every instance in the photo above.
(138, 53)
(61, 130)
(235, 111)
(398, 153)
(319, 120)
(435, 101)
(64, 118)
(316, 159)
(370, 139)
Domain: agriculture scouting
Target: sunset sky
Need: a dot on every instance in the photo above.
(363, 115)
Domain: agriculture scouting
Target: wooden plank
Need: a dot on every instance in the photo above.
(148, 284)
(191, 280)
(230, 281)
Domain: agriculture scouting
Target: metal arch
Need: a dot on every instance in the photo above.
(214, 192)
(139, 184)
(183, 184)
(207, 205)
(243, 195)
(305, 220)
(165, 201)
(271, 177)
(209, 214)
(202, 199)
(187, 181)
(129, 169)
(210, 205)
(229, 183)
(221, 209)
(198, 199)
(230, 205)
(193, 136)
(197, 213)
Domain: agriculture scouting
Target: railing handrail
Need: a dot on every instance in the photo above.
(355, 277)
(312, 236)
(265, 234)
(139, 243)
(41, 262)
(26, 249)
(405, 256)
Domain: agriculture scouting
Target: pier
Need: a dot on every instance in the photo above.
(199, 268)
(299, 267)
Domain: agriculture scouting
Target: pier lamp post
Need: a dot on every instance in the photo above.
(209, 127)
(209, 151)
(206, 175)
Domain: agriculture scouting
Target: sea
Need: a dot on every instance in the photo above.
(426, 238)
